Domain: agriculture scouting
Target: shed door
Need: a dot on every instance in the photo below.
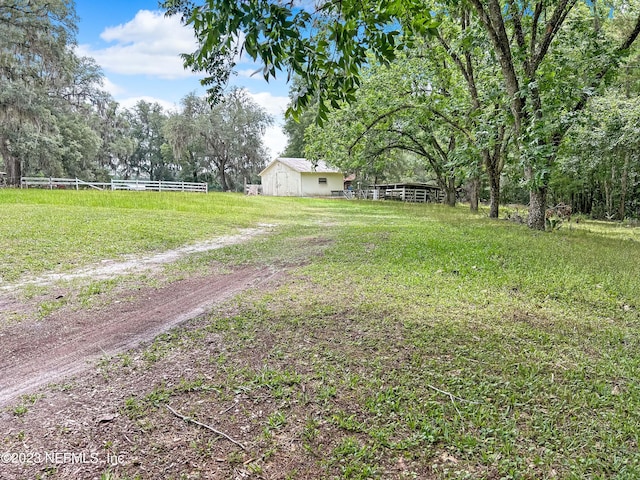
(282, 184)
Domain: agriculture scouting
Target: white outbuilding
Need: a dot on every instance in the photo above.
(298, 177)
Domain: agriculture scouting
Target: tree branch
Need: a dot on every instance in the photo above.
(377, 120)
(452, 123)
(218, 432)
(552, 28)
(584, 98)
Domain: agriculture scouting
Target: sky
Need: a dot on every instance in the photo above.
(138, 49)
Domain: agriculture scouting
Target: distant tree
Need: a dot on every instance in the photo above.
(225, 139)
(117, 145)
(36, 64)
(146, 126)
(186, 144)
(294, 128)
(598, 168)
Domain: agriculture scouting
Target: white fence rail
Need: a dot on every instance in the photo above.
(137, 185)
(52, 182)
(159, 186)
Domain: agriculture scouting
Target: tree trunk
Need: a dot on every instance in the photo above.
(494, 188)
(12, 165)
(608, 199)
(223, 178)
(623, 187)
(450, 191)
(537, 208)
(473, 190)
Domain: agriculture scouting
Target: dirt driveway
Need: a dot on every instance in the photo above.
(37, 352)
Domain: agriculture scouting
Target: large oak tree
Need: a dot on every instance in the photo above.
(224, 140)
(36, 64)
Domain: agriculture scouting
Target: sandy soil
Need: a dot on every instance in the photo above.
(35, 353)
(135, 264)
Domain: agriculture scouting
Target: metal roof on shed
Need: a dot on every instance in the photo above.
(303, 165)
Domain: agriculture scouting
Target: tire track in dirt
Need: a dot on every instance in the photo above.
(137, 264)
(35, 354)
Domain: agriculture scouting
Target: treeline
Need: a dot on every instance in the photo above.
(57, 120)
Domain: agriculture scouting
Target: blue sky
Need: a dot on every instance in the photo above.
(138, 47)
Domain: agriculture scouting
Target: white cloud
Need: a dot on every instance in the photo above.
(275, 140)
(273, 104)
(150, 44)
(112, 88)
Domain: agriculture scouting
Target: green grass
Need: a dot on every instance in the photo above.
(410, 341)
(534, 335)
(58, 230)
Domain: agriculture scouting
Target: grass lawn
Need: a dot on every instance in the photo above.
(43, 231)
(417, 341)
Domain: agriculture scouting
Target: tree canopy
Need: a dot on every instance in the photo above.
(225, 140)
(36, 68)
(553, 55)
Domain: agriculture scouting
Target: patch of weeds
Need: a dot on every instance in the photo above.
(63, 387)
(30, 291)
(152, 355)
(279, 382)
(311, 429)
(134, 408)
(158, 396)
(161, 346)
(47, 472)
(276, 421)
(235, 458)
(348, 422)
(353, 460)
(205, 449)
(110, 475)
(126, 360)
(105, 365)
(87, 293)
(27, 401)
(327, 392)
(199, 384)
(46, 308)
(20, 410)
(32, 398)
(255, 469)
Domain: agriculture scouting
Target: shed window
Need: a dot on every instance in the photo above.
(322, 180)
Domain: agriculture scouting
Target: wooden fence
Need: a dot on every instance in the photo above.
(136, 185)
(159, 186)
